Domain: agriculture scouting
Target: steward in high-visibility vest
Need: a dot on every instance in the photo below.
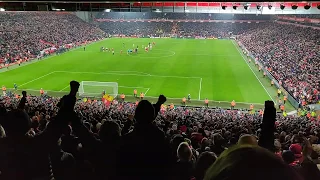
(135, 93)
(122, 96)
(279, 92)
(4, 89)
(141, 96)
(184, 101)
(285, 98)
(251, 107)
(41, 91)
(284, 114)
(206, 102)
(233, 104)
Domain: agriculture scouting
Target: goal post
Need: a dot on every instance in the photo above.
(95, 88)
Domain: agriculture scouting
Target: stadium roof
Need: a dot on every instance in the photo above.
(235, 6)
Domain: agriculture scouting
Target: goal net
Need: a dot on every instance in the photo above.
(95, 89)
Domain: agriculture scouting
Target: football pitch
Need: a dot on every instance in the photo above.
(213, 69)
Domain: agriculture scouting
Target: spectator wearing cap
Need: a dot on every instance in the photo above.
(296, 149)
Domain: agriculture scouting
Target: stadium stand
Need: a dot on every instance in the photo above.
(181, 16)
(40, 30)
(292, 53)
(62, 138)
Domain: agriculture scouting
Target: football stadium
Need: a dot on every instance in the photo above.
(159, 90)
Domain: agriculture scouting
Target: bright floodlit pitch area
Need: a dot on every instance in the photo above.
(213, 69)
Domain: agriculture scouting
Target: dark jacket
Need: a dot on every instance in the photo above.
(144, 154)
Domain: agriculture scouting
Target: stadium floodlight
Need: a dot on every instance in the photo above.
(2, 9)
(107, 10)
(307, 6)
(234, 7)
(270, 6)
(95, 89)
(282, 7)
(294, 7)
(224, 7)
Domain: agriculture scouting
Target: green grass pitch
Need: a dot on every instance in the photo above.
(213, 69)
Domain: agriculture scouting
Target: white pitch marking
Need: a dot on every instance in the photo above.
(64, 88)
(252, 70)
(37, 78)
(147, 91)
(200, 89)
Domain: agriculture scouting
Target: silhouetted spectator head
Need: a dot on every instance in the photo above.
(144, 113)
(110, 131)
(67, 130)
(218, 140)
(184, 152)
(248, 139)
(16, 123)
(250, 163)
(205, 160)
(288, 156)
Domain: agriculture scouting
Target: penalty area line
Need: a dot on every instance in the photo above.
(36, 79)
(64, 88)
(147, 91)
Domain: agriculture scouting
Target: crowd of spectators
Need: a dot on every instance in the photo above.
(139, 29)
(292, 53)
(176, 29)
(46, 137)
(180, 16)
(25, 34)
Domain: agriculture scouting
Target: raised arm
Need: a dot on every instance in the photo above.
(266, 139)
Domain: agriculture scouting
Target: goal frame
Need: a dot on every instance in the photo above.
(82, 93)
